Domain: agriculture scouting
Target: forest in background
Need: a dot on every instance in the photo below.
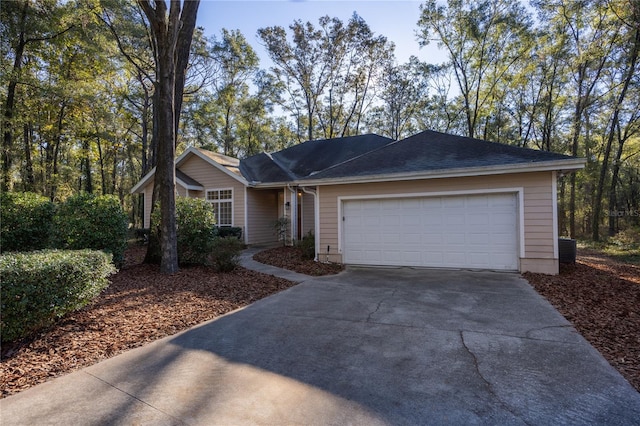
(78, 77)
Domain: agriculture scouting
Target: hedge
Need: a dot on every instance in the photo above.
(41, 286)
(86, 221)
(25, 221)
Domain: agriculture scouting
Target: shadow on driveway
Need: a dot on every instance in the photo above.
(368, 346)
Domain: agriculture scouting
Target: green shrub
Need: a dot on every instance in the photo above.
(226, 254)
(307, 246)
(25, 221)
(230, 231)
(86, 221)
(41, 286)
(195, 221)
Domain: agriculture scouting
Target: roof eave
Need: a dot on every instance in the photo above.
(222, 168)
(191, 150)
(270, 185)
(143, 182)
(557, 165)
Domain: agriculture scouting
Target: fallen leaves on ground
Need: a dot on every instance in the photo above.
(291, 258)
(140, 305)
(601, 298)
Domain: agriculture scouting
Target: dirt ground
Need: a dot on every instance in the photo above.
(140, 305)
(600, 296)
(291, 258)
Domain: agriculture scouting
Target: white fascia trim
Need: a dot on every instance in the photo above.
(518, 191)
(195, 151)
(143, 182)
(565, 165)
(180, 159)
(189, 187)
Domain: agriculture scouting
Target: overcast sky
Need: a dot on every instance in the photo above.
(397, 20)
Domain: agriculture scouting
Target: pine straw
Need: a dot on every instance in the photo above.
(601, 298)
(140, 305)
(291, 258)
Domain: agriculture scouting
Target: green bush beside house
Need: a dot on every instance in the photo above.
(41, 286)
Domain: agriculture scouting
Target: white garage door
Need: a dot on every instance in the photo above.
(471, 231)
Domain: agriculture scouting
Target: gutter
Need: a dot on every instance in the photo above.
(562, 166)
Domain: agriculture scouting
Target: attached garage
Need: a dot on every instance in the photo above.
(479, 231)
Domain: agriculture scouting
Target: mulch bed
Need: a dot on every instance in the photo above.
(291, 258)
(601, 298)
(140, 305)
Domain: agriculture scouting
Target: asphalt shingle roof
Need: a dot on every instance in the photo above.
(186, 178)
(308, 158)
(431, 151)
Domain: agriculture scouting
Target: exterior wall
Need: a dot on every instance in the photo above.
(262, 208)
(211, 178)
(308, 213)
(537, 213)
(148, 196)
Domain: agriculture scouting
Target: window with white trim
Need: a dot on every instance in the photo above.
(222, 202)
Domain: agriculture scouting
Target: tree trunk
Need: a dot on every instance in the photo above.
(613, 199)
(7, 141)
(88, 182)
(29, 180)
(165, 170)
(630, 72)
(172, 34)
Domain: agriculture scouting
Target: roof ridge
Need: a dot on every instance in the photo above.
(232, 160)
(277, 162)
(354, 158)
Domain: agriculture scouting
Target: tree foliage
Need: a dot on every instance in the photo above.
(81, 110)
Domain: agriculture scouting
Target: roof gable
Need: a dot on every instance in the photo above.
(228, 165)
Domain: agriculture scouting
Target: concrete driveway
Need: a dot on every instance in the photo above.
(366, 347)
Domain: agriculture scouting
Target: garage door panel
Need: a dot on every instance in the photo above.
(453, 202)
(479, 219)
(480, 201)
(411, 219)
(478, 231)
(390, 220)
(477, 239)
(455, 238)
(433, 239)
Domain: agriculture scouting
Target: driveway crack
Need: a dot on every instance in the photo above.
(488, 384)
(384, 299)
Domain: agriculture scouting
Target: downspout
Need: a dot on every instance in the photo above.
(316, 219)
